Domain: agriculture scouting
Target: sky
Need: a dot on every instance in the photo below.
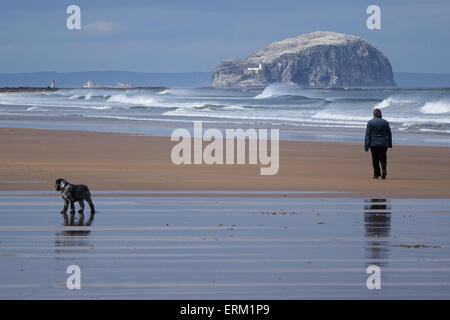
(194, 35)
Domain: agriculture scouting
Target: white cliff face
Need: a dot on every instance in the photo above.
(318, 59)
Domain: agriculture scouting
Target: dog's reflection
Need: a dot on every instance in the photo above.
(377, 223)
(69, 220)
(77, 234)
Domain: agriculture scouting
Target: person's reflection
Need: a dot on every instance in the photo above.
(377, 223)
(77, 235)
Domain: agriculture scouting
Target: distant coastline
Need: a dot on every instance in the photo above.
(26, 89)
(106, 79)
(46, 89)
(173, 80)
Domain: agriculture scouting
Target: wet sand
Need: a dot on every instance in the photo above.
(32, 160)
(221, 232)
(246, 247)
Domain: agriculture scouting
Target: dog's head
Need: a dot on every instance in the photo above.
(60, 184)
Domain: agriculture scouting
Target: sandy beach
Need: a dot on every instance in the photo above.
(32, 159)
(163, 231)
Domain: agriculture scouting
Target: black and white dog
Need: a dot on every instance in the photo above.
(72, 193)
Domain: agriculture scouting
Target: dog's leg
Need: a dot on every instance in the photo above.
(91, 205)
(72, 207)
(66, 205)
(91, 219)
(81, 202)
(66, 220)
(81, 220)
(72, 219)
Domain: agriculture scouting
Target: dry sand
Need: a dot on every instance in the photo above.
(107, 161)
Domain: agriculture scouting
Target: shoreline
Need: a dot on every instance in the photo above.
(165, 127)
(113, 161)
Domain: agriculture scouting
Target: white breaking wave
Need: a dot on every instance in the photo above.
(408, 110)
(133, 100)
(434, 130)
(436, 107)
(404, 120)
(278, 90)
(152, 101)
(101, 108)
(177, 92)
(392, 101)
(236, 107)
(268, 118)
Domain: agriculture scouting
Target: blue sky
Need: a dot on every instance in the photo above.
(183, 36)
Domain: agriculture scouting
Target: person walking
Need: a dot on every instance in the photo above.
(378, 140)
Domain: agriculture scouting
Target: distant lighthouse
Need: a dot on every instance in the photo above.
(53, 84)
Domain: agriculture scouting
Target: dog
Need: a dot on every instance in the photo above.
(72, 193)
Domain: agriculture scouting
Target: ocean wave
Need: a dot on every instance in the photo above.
(151, 101)
(436, 107)
(409, 110)
(399, 119)
(434, 130)
(390, 101)
(136, 100)
(101, 108)
(235, 108)
(218, 107)
(266, 118)
(37, 109)
(280, 89)
(177, 92)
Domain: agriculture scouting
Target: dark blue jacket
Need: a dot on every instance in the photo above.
(378, 134)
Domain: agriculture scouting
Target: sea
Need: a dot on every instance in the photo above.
(417, 115)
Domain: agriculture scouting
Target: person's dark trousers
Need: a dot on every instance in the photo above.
(379, 157)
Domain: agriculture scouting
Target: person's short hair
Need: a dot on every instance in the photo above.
(377, 113)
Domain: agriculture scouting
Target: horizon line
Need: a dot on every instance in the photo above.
(175, 72)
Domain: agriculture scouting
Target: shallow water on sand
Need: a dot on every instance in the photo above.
(192, 247)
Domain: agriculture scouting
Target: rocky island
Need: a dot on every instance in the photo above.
(319, 59)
